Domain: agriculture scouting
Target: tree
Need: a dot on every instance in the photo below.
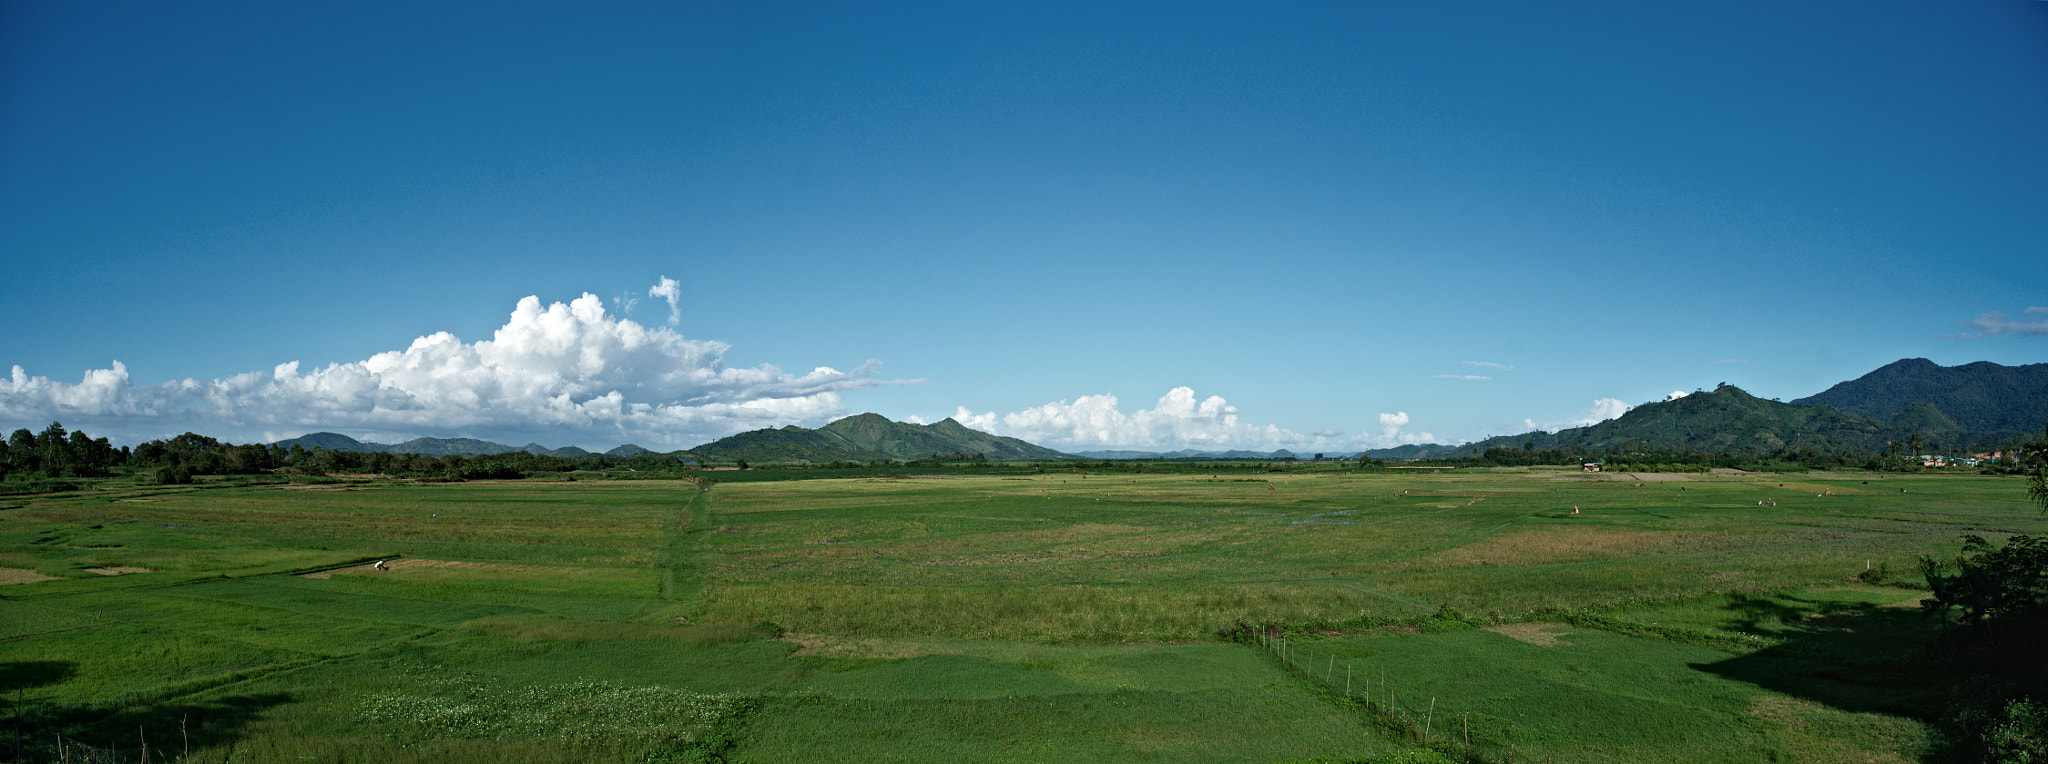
(2037, 482)
(2002, 584)
(1990, 586)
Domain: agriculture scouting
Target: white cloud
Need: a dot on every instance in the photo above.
(1995, 323)
(1602, 410)
(1605, 409)
(671, 291)
(1490, 365)
(1393, 432)
(557, 372)
(1675, 395)
(1177, 421)
(1465, 377)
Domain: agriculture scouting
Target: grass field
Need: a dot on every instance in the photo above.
(1012, 616)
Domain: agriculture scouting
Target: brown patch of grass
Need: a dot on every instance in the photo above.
(117, 570)
(826, 646)
(1538, 634)
(559, 629)
(1551, 546)
(22, 576)
(401, 564)
(1028, 558)
(1838, 490)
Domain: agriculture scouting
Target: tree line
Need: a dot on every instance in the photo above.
(56, 453)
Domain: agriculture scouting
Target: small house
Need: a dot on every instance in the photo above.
(1592, 466)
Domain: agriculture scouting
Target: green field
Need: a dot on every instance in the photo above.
(990, 615)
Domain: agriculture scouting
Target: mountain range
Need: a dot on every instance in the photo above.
(334, 441)
(1981, 396)
(1976, 406)
(871, 437)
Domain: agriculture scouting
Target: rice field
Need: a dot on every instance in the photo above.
(1004, 615)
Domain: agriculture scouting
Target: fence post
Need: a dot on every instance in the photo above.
(1347, 680)
(1330, 669)
(1427, 719)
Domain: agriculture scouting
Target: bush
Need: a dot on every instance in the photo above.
(2020, 736)
(175, 474)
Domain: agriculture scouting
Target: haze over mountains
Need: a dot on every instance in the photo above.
(1976, 406)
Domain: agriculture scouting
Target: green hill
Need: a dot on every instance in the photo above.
(332, 441)
(1981, 396)
(444, 447)
(871, 437)
(1729, 419)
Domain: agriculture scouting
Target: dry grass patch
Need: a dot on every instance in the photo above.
(117, 570)
(1538, 634)
(1544, 547)
(22, 576)
(1838, 490)
(401, 564)
(827, 646)
(1034, 557)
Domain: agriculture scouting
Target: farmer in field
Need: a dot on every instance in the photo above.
(380, 565)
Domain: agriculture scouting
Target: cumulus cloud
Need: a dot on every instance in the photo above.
(1178, 420)
(1675, 395)
(1465, 377)
(1602, 410)
(1995, 322)
(1490, 365)
(1393, 432)
(671, 291)
(560, 371)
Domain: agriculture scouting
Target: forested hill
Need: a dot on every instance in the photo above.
(1729, 419)
(334, 441)
(872, 437)
(1978, 396)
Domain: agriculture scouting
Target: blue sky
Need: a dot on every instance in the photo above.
(1314, 226)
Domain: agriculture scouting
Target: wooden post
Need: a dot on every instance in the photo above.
(1330, 669)
(145, 743)
(1468, 729)
(1426, 720)
(1347, 680)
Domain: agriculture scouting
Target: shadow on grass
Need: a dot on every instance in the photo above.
(181, 726)
(171, 726)
(1888, 660)
(17, 676)
(1862, 659)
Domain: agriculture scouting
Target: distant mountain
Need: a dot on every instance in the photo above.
(871, 437)
(1729, 419)
(628, 450)
(425, 446)
(332, 441)
(1189, 453)
(447, 447)
(1412, 452)
(1981, 396)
